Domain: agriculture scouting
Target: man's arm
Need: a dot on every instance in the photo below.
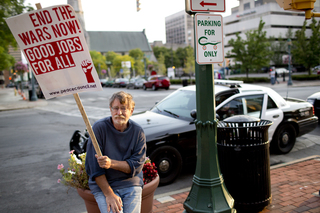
(107, 163)
(114, 202)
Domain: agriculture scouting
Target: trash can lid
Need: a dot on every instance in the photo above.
(241, 118)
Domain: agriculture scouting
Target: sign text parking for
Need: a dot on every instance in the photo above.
(209, 38)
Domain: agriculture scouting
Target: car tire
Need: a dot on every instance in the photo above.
(168, 162)
(154, 88)
(144, 87)
(283, 139)
(167, 88)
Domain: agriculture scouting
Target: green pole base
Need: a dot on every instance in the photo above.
(209, 195)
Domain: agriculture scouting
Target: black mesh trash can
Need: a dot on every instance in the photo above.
(243, 151)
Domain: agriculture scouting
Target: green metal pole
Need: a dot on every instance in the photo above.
(208, 192)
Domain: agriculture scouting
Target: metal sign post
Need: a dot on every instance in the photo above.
(208, 192)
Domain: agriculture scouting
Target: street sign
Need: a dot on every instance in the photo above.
(209, 37)
(207, 5)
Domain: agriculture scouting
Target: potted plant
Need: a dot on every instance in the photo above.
(76, 176)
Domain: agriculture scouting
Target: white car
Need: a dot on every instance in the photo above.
(282, 71)
(171, 133)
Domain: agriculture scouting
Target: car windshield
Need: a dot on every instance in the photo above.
(178, 104)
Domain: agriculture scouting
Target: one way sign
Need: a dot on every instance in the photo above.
(207, 5)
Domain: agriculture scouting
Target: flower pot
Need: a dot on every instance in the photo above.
(89, 200)
(147, 195)
(146, 203)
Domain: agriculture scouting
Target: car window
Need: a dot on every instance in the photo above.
(180, 103)
(246, 105)
(224, 96)
(271, 104)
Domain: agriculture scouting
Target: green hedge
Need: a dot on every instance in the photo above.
(305, 77)
(179, 81)
(251, 79)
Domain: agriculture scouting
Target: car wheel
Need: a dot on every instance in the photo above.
(167, 88)
(168, 162)
(284, 139)
(154, 87)
(144, 87)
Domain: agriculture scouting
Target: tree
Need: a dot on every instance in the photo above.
(137, 55)
(118, 66)
(307, 51)
(8, 8)
(99, 61)
(253, 53)
(189, 62)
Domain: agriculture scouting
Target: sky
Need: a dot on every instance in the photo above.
(121, 15)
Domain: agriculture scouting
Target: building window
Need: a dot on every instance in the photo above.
(246, 6)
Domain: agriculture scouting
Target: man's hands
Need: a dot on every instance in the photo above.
(104, 161)
(114, 202)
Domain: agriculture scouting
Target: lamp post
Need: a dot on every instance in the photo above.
(289, 61)
(208, 193)
(33, 93)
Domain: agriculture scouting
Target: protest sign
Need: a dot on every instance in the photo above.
(53, 43)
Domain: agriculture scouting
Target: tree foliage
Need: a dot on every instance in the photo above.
(307, 51)
(279, 47)
(8, 8)
(137, 54)
(99, 61)
(252, 53)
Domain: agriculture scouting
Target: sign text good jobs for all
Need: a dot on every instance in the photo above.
(53, 42)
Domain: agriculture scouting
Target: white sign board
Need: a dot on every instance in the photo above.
(209, 37)
(53, 43)
(126, 64)
(207, 5)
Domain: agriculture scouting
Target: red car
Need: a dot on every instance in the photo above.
(157, 81)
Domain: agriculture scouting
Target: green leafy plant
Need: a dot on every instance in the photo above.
(76, 176)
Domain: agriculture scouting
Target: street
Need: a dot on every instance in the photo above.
(34, 141)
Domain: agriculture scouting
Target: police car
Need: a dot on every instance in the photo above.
(171, 133)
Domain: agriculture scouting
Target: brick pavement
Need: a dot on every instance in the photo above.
(294, 188)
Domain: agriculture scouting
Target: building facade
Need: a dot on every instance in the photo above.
(179, 29)
(247, 15)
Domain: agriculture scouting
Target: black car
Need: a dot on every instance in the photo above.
(171, 132)
(314, 99)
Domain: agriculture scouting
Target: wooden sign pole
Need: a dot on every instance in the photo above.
(88, 125)
(83, 113)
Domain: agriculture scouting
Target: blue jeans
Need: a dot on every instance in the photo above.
(131, 199)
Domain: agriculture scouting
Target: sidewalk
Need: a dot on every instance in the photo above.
(9, 100)
(294, 188)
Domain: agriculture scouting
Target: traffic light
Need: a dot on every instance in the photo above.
(299, 5)
(138, 5)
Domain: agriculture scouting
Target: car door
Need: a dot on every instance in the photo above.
(272, 113)
(248, 103)
(256, 104)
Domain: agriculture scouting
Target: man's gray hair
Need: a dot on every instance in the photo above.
(124, 98)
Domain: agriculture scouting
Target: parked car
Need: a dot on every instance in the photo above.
(314, 99)
(136, 83)
(171, 132)
(109, 82)
(282, 71)
(316, 68)
(120, 82)
(103, 82)
(157, 81)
